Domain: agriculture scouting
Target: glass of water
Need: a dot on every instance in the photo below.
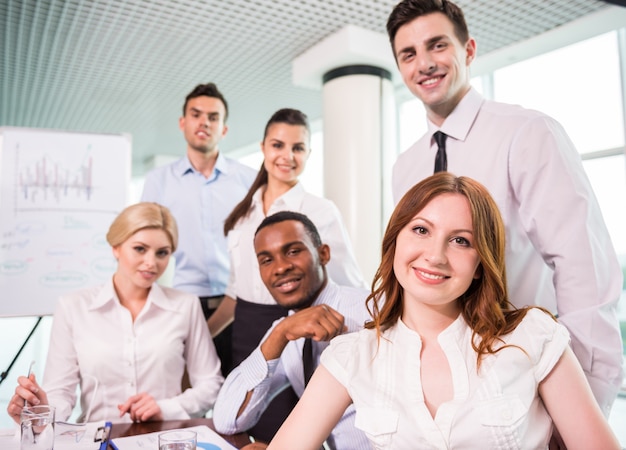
(37, 428)
(178, 440)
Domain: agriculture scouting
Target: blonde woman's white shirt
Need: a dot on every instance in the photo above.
(95, 344)
(245, 280)
(496, 408)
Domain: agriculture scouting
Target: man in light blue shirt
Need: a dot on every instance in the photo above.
(201, 189)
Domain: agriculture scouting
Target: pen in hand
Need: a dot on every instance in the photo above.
(30, 370)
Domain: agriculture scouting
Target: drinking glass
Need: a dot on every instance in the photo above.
(37, 428)
(178, 440)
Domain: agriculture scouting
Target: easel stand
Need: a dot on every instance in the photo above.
(4, 374)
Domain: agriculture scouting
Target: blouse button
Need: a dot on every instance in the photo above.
(506, 414)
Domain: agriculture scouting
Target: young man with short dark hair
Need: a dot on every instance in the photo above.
(200, 190)
(559, 253)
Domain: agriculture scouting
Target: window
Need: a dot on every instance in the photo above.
(578, 85)
(608, 178)
(568, 85)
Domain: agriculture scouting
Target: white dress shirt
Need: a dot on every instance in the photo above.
(95, 344)
(496, 408)
(245, 279)
(268, 378)
(559, 254)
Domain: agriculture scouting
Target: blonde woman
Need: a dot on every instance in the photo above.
(126, 343)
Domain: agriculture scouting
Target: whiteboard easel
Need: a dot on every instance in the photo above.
(59, 192)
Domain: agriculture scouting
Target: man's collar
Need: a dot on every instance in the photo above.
(326, 293)
(221, 164)
(459, 123)
(185, 166)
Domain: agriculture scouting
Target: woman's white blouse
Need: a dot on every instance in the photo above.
(497, 408)
(94, 344)
(245, 280)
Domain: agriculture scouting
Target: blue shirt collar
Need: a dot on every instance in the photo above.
(184, 166)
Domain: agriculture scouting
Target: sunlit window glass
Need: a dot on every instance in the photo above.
(579, 85)
(608, 178)
(412, 122)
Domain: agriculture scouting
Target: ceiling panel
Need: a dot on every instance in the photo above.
(126, 66)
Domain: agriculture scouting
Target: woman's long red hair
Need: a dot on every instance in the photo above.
(485, 305)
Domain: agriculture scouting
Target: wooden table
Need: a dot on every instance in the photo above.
(132, 429)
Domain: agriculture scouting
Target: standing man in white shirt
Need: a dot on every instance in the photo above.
(200, 190)
(559, 253)
(292, 262)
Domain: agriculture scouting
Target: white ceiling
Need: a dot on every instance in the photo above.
(115, 66)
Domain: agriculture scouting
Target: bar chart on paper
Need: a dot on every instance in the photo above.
(49, 178)
(59, 193)
(49, 184)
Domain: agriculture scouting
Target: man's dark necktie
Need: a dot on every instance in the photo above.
(308, 364)
(441, 160)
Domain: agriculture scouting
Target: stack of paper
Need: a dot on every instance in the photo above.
(76, 436)
(207, 440)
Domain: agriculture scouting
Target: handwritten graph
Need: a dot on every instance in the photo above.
(63, 172)
(59, 192)
(52, 181)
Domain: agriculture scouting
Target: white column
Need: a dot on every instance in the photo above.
(357, 100)
(353, 69)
